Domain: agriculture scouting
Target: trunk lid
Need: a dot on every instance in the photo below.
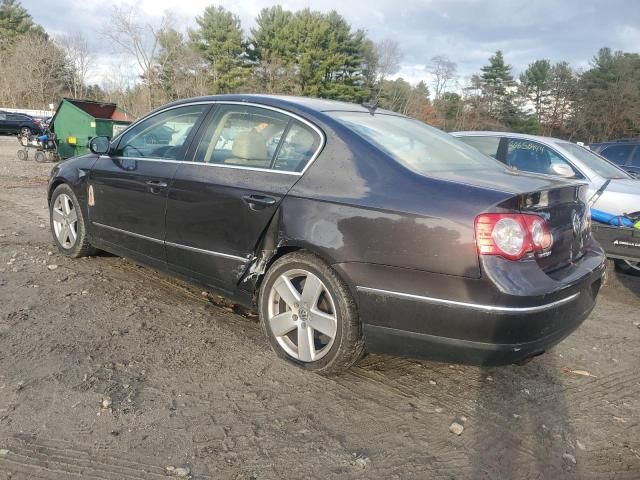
(568, 217)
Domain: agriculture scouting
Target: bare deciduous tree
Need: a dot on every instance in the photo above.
(80, 59)
(33, 72)
(442, 70)
(389, 57)
(139, 40)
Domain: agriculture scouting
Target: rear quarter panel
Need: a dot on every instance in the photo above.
(356, 204)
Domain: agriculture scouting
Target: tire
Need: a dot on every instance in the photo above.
(71, 242)
(25, 131)
(40, 157)
(628, 267)
(23, 155)
(332, 308)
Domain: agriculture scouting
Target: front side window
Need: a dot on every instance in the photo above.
(530, 156)
(618, 154)
(487, 145)
(162, 136)
(417, 146)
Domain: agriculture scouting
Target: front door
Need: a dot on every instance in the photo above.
(128, 188)
(244, 162)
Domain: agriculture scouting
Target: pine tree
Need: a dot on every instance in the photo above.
(15, 21)
(535, 84)
(219, 39)
(496, 80)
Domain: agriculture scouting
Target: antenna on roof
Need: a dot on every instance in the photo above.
(371, 106)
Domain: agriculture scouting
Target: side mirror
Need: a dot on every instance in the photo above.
(100, 145)
(562, 170)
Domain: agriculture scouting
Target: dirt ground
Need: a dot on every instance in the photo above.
(109, 370)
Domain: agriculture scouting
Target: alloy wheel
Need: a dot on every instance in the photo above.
(65, 221)
(302, 315)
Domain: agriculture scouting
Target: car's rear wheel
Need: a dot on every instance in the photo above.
(309, 315)
(627, 266)
(68, 225)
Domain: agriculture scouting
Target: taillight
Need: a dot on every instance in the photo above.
(511, 235)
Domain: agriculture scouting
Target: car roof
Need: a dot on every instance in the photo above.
(482, 133)
(622, 141)
(284, 101)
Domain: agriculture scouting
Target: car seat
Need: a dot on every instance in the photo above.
(249, 149)
(529, 161)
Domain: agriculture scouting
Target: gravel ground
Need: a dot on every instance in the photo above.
(109, 370)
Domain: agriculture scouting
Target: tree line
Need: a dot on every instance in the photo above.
(318, 54)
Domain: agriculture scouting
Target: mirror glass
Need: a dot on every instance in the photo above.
(99, 145)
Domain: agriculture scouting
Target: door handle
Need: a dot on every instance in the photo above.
(156, 185)
(257, 202)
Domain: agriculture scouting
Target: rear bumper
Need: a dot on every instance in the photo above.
(474, 321)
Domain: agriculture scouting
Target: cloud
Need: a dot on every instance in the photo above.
(468, 31)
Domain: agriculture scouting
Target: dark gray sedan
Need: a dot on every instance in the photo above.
(347, 228)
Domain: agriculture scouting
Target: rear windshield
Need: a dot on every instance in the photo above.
(417, 146)
(595, 162)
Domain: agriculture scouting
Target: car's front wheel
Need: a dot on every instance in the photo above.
(25, 131)
(68, 225)
(309, 315)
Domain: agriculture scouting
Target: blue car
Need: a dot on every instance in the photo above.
(624, 153)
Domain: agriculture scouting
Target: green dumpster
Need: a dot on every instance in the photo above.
(77, 121)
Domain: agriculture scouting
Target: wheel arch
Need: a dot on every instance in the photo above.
(55, 183)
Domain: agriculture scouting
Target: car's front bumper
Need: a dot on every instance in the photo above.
(480, 321)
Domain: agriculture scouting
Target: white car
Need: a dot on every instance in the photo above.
(552, 156)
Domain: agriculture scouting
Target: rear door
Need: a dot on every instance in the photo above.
(130, 185)
(245, 160)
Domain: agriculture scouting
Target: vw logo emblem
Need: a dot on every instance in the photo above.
(577, 224)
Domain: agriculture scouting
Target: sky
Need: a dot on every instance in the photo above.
(467, 31)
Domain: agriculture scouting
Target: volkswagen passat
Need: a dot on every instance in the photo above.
(347, 228)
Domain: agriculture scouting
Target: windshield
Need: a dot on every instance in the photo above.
(414, 144)
(595, 162)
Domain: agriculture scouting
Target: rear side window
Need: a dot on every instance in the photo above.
(254, 137)
(297, 148)
(3, 116)
(618, 154)
(487, 145)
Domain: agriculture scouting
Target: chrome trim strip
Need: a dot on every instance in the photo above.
(126, 232)
(323, 138)
(207, 252)
(171, 244)
(187, 162)
(474, 306)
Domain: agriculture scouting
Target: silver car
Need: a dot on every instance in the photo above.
(552, 156)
